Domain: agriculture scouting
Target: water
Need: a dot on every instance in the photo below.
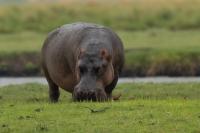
(41, 80)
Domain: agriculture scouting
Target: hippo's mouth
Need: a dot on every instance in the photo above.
(97, 95)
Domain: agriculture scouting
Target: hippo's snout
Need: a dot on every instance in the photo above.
(81, 94)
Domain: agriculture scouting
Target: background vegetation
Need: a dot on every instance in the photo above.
(119, 15)
(160, 37)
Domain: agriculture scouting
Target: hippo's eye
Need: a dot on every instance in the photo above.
(82, 69)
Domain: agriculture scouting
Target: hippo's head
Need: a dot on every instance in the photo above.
(94, 72)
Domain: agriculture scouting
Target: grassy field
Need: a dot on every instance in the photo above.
(151, 52)
(21, 42)
(156, 108)
(156, 40)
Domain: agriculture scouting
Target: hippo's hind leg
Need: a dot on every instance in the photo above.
(111, 86)
(53, 88)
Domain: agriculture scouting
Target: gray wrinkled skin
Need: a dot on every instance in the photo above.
(84, 59)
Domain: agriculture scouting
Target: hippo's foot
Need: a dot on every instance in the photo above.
(54, 94)
(54, 98)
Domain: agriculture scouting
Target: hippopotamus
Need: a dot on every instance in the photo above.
(84, 59)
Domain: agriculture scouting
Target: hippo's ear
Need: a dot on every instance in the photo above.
(104, 54)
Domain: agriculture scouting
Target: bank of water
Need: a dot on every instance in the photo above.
(41, 80)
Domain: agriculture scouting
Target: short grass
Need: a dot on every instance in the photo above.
(151, 40)
(156, 108)
(21, 42)
(162, 40)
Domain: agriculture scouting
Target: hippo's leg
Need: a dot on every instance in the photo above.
(53, 91)
(53, 88)
(111, 86)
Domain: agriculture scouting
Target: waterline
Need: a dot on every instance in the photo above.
(41, 80)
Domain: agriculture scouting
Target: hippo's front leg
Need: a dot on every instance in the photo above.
(111, 86)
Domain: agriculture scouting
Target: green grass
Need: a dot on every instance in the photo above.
(151, 40)
(162, 40)
(143, 108)
(21, 42)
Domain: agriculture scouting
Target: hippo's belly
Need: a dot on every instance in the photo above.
(67, 83)
(61, 74)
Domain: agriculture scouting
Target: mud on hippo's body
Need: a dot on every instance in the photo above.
(84, 59)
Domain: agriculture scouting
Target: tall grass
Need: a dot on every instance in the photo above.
(120, 15)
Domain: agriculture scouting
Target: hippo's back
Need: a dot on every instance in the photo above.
(67, 36)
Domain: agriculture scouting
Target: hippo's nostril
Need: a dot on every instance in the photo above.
(93, 97)
(89, 95)
(80, 95)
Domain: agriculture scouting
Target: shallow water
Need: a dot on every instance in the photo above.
(41, 80)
